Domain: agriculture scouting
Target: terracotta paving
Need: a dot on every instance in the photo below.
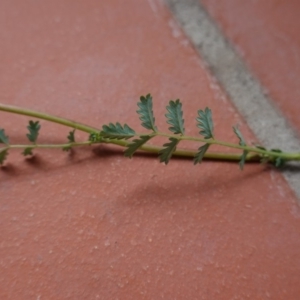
(96, 225)
(266, 34)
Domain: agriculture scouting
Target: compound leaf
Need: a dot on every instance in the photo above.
(146, 112)
(199, 156)
(260, 147)
(117, 131)
(135, 145)
(243, 159)
(241, 143)
(205, 123)
(279, 161)
(3, 155)
(27, 151)
(239, 135)
(3, 138)
(95, 137)
(71, 136)
(166, 153)
(71, 139)
(33, 128)
(175, 117)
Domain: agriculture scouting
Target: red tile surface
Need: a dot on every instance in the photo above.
(266, 34)
(99, 226)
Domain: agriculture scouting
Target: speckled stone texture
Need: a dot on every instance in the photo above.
(96, 225)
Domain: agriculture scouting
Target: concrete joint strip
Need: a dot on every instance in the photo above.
(244, 90)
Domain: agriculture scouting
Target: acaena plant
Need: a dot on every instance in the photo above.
(125, 136)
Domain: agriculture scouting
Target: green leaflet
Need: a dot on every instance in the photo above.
(3, 138)
(135, 145)
(239, 135)
(241, 143)
(243, 159)
(27, 151)
(146, 112)
(205, 123)
(166, 153)
(71, 139)
(199, 156)
(175, 117)
(33, 128)
(71, 136)
(279, 161)
(260, 147)
(264, 158)
(95, 137)
(3, 155)
(117, 131)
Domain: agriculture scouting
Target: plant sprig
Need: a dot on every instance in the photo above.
(125, 136)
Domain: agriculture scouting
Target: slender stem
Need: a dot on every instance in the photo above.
(191, 153)
(255, 155)
(147, 148)
(289, 156)
(47, 117)
(32, 146)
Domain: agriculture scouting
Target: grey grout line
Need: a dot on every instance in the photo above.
(244, 90)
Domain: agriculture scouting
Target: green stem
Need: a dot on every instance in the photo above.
(47, 117)
(255, 155)
(285, 155)
(189, 153)
(147, 148)
(33, 146)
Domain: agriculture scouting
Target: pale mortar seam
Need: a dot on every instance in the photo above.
(243, 89)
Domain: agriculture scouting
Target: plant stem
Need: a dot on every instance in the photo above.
(147, 148)
(47, 117)
(285, 155)
(255, 155)
(33, 146)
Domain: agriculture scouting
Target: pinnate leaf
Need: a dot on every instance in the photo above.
(260, 147)
(146, 112)
(71, 139)
(166, 153)
(3, 155)
(279, 161)
(205, 123)
(117, 131)
(239, 135)
(3, 138)
(136, 144)
(27, 151)
(243, 159)
(71, 136)
(264, 157)
(33, 128)
(175, 117)
(199, 156)
(95, 137)
(241, 143)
